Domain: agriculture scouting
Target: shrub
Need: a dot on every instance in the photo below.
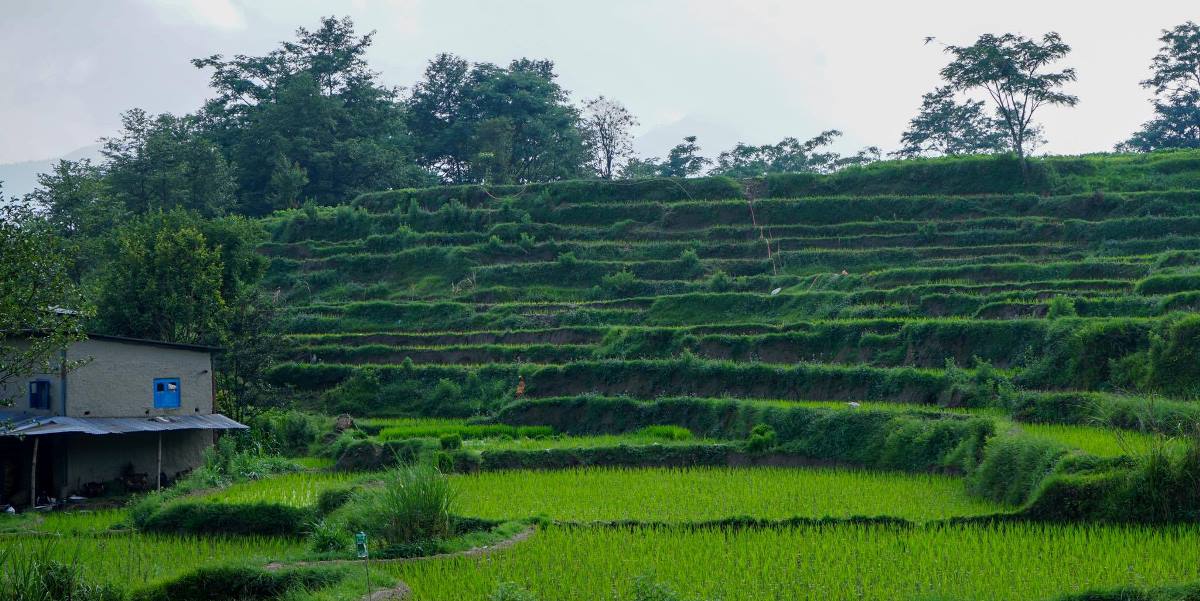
(1061, 306)
(36, 577)
(414, 504)
(451, 442)
(238, 582)
(200, 517)
(665, 432)
(762, 439)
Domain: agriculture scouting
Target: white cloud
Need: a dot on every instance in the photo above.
(219, 14)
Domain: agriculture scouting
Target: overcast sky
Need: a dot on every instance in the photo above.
(727, 70)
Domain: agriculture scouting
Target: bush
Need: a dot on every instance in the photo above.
(664, 432)
(450, 442)
(205, 518)
(238, 582)
(414, 504)
(36, 576)
(762, 439)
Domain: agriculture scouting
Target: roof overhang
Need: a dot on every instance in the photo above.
(98, 426)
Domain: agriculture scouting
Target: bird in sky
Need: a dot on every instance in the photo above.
(928, 39)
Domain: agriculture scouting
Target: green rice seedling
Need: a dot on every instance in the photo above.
(1006, 562)
(698, 494)
(1102, 442)
(132, 558)
(296, 490)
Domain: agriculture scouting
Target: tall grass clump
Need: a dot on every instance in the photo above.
(415, 504)
(35, 574)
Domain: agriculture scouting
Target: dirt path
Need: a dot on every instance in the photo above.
(402, 591)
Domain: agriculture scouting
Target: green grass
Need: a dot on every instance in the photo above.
(131, 559)
(1018, 562)
(297, 490)
(678, 495)
(1103, 442)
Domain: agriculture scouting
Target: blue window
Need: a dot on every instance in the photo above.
(39, 394)
(166, 393)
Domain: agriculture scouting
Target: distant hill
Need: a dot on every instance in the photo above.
(21, 178)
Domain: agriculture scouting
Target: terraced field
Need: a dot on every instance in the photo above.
(704, 297)
(1022, 346)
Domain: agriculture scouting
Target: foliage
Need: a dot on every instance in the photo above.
(41, 310)
(495, 125)
(414, 504)
(308, 116)
(944, 126)
(1176, 86)
(606, 124)
(788, 156)
(1009, 68)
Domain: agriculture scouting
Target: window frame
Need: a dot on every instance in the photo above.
(41, 384)
(167, 399)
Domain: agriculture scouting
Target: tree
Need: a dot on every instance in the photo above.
(164, 162)
(41, 310)
(175, 276)
(1175, 81)
(944, 126)
(482, 122)
(684, 160)
(315, 101)
(287, 184)
(1011, 70)
(75, 199)
(790, 155)
(606, 124)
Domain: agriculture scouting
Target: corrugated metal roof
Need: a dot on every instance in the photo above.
(118, 425)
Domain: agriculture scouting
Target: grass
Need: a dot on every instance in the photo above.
(1102, 442)
(1018, 562)
(136, 559)
(696, 494)
(297, 490)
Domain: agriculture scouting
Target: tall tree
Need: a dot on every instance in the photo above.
(790, 155)
(1011, 69)
(945, 126)
(684, 160)
(1175, 81)
(480, 122)
(164, 162)
(40, 306)
(315, 101)
(606, 124)
(175, 276)
(76, 200)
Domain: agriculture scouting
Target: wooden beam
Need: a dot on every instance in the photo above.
(158, 470)
(33, 474)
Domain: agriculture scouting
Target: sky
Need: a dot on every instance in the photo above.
(727, 71)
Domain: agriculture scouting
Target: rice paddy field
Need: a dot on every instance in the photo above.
(1016, 562)
(296, 490)
(942, 350)
(131, 558)
(699, 494)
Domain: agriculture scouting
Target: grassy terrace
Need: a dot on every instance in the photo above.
(1012, 562)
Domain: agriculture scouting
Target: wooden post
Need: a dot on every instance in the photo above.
(158, 470)
(33, 474)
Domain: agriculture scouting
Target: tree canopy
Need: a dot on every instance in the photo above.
(945, 126)
(1175, 82)
(1011, 70)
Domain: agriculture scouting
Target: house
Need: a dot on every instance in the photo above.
(128, 410)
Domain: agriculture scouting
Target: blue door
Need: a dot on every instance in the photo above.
(166, 393)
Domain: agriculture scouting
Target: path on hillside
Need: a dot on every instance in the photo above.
(401, 590)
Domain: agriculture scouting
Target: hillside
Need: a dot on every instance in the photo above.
(797, 287)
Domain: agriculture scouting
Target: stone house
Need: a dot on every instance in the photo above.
(138, 412)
